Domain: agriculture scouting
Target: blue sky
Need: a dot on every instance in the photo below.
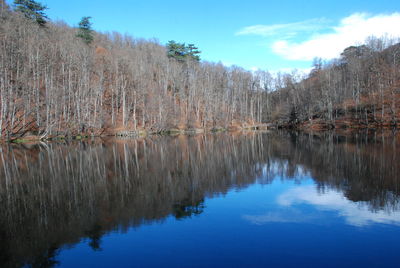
(271, 35)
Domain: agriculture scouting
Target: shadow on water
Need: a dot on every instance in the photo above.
(55, 195)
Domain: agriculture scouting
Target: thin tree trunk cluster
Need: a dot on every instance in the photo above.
(359, 89)
(52, 83)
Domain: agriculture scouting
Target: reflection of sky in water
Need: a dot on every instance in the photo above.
(304, 204)
(279, 224)
(239, 202)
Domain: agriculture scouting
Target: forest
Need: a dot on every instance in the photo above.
(63, 81)
(358, 90)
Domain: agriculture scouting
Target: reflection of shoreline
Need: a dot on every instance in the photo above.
(67, 192)
(364, 167)
(64, 193)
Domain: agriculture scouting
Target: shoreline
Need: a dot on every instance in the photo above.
(131, 134)
(319, 127)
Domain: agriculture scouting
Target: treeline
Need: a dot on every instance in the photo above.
(360, 89)
(60, 80)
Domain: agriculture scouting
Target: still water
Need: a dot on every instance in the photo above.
(274, 199)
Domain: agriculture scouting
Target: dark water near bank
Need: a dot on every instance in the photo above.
(256, 200)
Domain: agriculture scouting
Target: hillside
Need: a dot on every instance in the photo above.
(361, 89)
(61, 81)
(55, 82)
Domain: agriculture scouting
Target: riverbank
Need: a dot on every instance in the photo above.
(354, 117)
(132, 133)
(341, 124)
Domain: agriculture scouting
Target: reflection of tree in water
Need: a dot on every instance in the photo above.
(66, 192)
(53, 196)
(95, 234)
(47, 259)
(364, 166)
(187, 208)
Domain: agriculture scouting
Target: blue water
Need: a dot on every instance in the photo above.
(273, 199)
(260, 226)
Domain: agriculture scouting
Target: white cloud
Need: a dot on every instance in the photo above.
(351, 30)
(287, 30)
(356, 214)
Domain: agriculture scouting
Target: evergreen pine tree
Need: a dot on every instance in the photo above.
(181, 52)
(193, 52)
(32, 10)
(85, 30)
(176, 50)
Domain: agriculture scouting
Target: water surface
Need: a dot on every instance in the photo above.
(273, 199)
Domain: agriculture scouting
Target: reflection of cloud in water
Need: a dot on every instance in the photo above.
(356, 214)
(286, 216)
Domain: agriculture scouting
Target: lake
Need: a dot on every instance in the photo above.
(272, 199)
